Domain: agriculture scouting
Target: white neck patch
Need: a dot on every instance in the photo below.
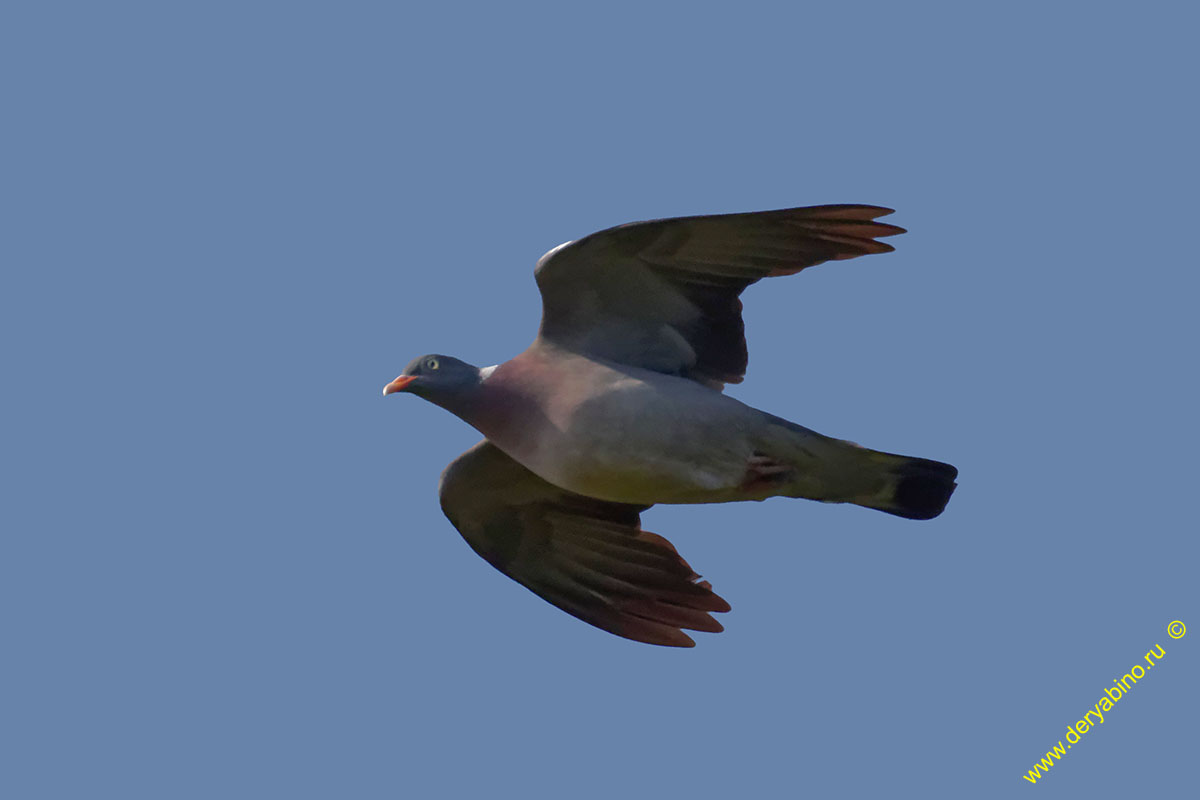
(486, 372)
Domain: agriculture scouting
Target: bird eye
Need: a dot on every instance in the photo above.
(431, 363)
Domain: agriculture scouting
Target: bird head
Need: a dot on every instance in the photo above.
(435, 378)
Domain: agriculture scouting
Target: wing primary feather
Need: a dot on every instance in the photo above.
(840, 211)
(655, 577)
(669, 614)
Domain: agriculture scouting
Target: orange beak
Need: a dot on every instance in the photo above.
(398, 384)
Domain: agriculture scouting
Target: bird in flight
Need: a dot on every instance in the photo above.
(618, 405)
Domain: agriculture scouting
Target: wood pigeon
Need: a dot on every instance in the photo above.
(618, 405)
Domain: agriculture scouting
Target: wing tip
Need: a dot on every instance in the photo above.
(855, 211)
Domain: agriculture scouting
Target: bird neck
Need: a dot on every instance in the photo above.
(464, 402)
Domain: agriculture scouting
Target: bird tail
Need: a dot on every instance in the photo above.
(837, 471)
(914, 488)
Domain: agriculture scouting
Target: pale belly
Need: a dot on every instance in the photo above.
(637, 437)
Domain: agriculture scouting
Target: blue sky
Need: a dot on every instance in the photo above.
(225, 571)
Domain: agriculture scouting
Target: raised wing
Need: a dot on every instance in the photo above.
(664, 294)
(588, 557)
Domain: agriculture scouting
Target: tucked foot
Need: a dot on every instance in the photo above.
(764, 472)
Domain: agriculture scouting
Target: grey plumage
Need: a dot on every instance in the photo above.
(617, 405)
